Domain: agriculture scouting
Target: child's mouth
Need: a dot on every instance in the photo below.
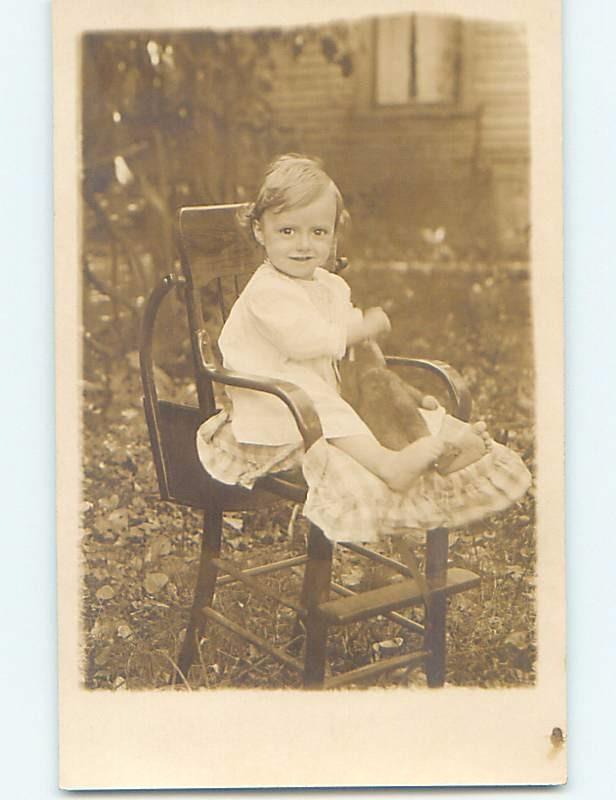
(300, 258)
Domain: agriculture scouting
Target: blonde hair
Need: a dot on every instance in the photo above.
(291, 181)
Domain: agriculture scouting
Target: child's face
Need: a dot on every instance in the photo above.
(298, 240)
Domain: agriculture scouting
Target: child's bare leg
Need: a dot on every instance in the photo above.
(398, 468)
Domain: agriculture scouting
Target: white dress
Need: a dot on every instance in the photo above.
(294, 330)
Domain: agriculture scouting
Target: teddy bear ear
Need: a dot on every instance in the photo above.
(370, 355)
(377, 354)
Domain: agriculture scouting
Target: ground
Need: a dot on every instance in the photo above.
(140, 555)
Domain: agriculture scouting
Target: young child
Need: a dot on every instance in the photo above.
(294, 321)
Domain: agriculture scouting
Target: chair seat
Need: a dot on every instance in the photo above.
(290, 485)
(187, 482)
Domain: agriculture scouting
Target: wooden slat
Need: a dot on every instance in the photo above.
(390, 598)
(372, 670)
(399, 619)
(265, 569)
(500, 81)
(257, 641)
(214, 245)
(283, 486)
(257, 586)
(374, 556)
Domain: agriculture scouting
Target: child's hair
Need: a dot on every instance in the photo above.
(291, 181)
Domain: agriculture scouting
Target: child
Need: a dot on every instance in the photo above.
(294, 321)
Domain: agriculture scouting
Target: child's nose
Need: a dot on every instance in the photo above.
(304, 241)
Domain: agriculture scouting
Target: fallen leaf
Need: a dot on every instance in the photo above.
(517, 639)
(352, 578)
(103, 628)
(105, 592)
(103, 656)
(124, 631)
(109, 503)
(158, 547)
(118, 519)
(237, 523)
(389, 647)
(111, 525)
(136, 563)
(99, 574)
(104, 530)
(155, 581)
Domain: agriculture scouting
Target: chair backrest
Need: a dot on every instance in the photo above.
(217, 257)
(215, 246)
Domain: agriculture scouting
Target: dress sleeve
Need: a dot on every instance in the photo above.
(350, 315)
(285, 316)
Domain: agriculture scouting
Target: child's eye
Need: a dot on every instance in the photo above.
(320, 232)
(286, 231)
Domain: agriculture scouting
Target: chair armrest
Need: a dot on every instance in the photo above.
(296, 399)
(456, 386)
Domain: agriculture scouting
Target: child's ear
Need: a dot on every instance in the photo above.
(257, 232)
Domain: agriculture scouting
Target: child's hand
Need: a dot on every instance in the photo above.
(369, 325)
(376, 322)
(429, 403)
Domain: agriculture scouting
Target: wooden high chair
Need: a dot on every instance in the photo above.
(217, 256)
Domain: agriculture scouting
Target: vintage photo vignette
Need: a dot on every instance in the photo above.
(281, 713)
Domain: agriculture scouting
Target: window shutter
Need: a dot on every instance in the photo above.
(436, 59)
(393, 68)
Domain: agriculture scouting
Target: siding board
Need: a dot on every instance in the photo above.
(429, 162)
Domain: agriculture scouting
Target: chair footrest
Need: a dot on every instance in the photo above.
(404, 622)
(389, 598)
(372, 670)
(257, 641)
(260, 588)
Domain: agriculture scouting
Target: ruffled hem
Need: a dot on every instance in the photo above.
(350, 504)
(231, 462)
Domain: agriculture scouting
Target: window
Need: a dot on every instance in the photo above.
(417, 59)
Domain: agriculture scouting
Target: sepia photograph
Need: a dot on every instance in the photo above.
(306, 356)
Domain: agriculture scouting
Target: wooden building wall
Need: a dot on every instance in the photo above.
(498, 80)
(463, 165)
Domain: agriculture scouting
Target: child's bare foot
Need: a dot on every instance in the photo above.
(405, 466)
(481, 429)
(453, 427)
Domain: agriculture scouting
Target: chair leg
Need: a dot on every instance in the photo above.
(204, 590)
(316, 653)
(315, 590)
(437, 551)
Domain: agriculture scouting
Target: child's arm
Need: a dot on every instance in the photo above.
(286, 316)
(371, 325)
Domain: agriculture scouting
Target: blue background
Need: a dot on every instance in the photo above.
(27, 556)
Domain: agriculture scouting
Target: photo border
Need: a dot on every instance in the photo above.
(288, 738)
